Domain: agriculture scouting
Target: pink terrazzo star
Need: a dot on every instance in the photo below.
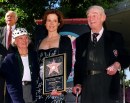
(53, 67)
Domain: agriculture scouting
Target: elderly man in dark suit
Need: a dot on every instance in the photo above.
(10, 19)
(5, 39)
(100, 54)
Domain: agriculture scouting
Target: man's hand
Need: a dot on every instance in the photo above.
(111, 70)
(77, 89)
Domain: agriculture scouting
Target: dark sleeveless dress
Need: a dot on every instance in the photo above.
(40, 98)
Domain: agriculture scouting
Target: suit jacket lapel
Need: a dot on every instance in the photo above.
(107, 46)
(87, 40)
(4, 36)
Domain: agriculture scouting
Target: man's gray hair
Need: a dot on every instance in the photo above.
(10, 11)
(101, 9)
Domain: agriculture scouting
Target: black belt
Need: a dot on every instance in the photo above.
(94, 72)
(26, 83)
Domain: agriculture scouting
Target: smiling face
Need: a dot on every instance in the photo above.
(22, 41)
(95, 18)
(52, 23)
(10, 18)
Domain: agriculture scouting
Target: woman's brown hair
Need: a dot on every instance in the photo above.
(59, 15)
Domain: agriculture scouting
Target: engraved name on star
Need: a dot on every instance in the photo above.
(53, 66)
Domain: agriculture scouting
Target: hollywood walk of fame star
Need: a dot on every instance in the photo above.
(53, 67)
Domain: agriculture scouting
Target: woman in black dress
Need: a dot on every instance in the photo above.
(51, 45)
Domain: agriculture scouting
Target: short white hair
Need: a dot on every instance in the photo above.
(96, 7)
(12, 12)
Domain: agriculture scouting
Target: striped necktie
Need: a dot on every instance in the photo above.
(95, 38)
(9, 36)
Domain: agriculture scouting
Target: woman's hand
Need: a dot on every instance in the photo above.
(55, 93)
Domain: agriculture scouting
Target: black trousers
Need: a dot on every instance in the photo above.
(2, 84)
(96, 89)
